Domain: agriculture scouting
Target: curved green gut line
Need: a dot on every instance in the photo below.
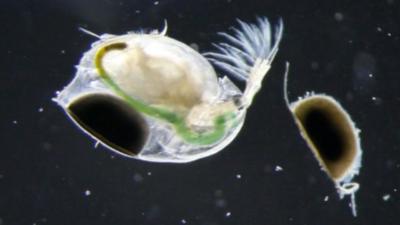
(177, 121)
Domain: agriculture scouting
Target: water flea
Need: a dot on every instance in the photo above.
(148, 96)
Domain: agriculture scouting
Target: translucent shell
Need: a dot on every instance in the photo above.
(332, 137)
(151, 97)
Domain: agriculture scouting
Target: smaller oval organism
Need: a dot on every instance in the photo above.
(151, 97)
(332, 137)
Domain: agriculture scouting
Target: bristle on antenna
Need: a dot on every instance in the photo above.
(248, 44)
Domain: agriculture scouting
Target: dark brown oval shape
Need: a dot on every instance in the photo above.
(329, 132)
(111, 121)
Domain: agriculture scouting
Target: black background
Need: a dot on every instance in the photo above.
(47, 164)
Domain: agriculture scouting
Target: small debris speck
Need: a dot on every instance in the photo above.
(148, 173)
(338, 16)
(238, 176)
(326, 198)
(63, 51)
(218, 193)
(220, 203)
(137, 11)
(386, 197)
(137, 177)
(376, 100)
(314, 65)
(278, 168)
(395, 189)
(88, 192)
(379, 29)
(183, 221)
(15, 122)
(156, 2)
(370, 75)
(389, 34)
(228, 214)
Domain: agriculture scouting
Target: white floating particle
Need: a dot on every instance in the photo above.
(278, 168)
(137, 177)
(88, 192)
(326, 198)
(238, 176)
(137, 11)
(314, 65)
(183, 221)
(220, 203)
(228, 214)
(156, 2)
(40, 109)
(338, 16)
(370, 75)
(379, 29)
(389, 34)
(15, 122)
(148, 173)
(63, 51)
(395, 189)
(386, 197)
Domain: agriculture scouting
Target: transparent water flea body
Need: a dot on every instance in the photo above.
(332, 137)
(150, 97)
